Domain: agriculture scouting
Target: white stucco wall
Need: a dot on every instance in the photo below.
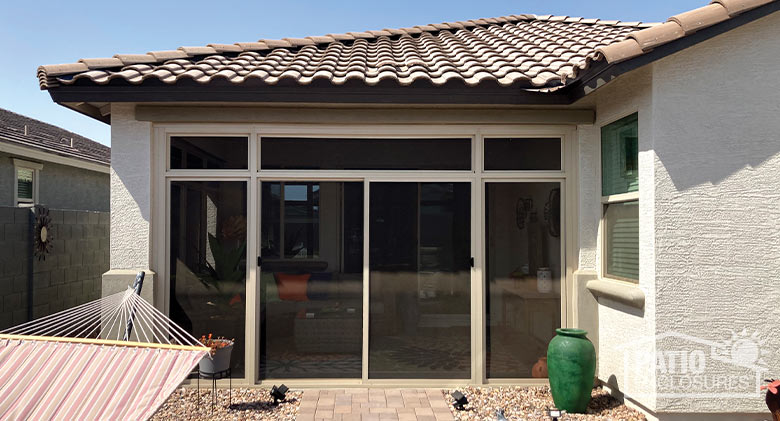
(716, 128)
(709, 169)
(625, 333)
(131, 163)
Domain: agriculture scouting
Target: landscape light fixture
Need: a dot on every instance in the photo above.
(278, 393)
(460, 400)
(554, 413)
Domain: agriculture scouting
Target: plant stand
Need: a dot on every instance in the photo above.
(214, 377)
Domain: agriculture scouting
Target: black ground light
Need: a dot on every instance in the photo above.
(460, 400)
(278, 393)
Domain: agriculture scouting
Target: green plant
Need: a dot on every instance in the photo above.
(227, 266)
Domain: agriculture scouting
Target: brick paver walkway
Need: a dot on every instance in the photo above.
(373, 405)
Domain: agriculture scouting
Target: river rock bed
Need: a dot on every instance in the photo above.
(247, 404)
(531, 403)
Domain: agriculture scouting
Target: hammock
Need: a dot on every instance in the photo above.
(115, 358)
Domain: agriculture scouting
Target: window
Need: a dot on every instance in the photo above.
(513, 154)
(292, 153)
(620, 198)
(209, 152)
(619, 153)
(26, 188)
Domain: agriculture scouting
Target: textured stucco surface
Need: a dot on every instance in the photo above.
(709, 141)
(625, 332)
(66, 187)
(716, 116)
(6, 180)
(131, 159)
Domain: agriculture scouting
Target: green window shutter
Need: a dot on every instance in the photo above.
(622, 240)
(620, 156)
(24, 184)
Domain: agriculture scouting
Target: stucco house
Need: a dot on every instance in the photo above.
(425, 205)
(44, 164)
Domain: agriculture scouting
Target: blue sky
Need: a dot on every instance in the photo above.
(49, 32)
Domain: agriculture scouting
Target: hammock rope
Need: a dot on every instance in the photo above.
(105, 319)
(103, 346)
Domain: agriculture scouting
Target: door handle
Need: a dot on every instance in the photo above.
(471, 262)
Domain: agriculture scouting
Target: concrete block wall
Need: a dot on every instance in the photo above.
(15, 265)
(70, 275)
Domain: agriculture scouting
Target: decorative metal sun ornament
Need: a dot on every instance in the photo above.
(42, 232)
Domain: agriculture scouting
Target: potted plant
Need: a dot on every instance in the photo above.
(571, 366)
(773, 398)
(218, 359)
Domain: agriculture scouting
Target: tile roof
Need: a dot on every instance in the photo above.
(525, 51)
(24, 131)
(522, 50)
(675, 27)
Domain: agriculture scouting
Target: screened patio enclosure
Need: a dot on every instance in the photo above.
(424, 256)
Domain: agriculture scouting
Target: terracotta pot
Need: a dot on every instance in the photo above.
(539, 370)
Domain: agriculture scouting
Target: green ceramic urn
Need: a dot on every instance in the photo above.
(571, 364)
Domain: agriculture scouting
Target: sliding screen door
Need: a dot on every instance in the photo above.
(420, 250)
(311, 280)
(208, 261)
(523, 274)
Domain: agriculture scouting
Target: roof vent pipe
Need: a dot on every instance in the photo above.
(25, 130)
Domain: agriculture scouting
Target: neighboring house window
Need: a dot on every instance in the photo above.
(26, 186)
(620, 198)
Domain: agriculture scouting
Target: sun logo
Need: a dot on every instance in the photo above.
(744, 349)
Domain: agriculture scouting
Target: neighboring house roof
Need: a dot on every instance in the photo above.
(19, 130)
(513, 59)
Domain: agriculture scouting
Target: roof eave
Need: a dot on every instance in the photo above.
(596, 75)
(601, 72)
(354, 94)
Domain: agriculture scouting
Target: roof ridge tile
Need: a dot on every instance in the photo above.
(693, 20)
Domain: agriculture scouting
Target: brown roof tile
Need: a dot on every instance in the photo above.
(101, 63)
(226, 48)
(516, 49)
(526, 51)
(735, 7)
(693, 20)
(678, 26)
(657, 35)
(198, 51)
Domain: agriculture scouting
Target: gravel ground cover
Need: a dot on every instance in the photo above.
(247, 404)
(531, 403)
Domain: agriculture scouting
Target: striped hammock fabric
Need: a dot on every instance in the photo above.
(117, 358)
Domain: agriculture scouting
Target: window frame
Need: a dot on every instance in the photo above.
(35, 167)
(483, 155)
(613, 199)
(567, 176)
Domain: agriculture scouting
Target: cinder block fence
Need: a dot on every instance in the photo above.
(68, 276)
